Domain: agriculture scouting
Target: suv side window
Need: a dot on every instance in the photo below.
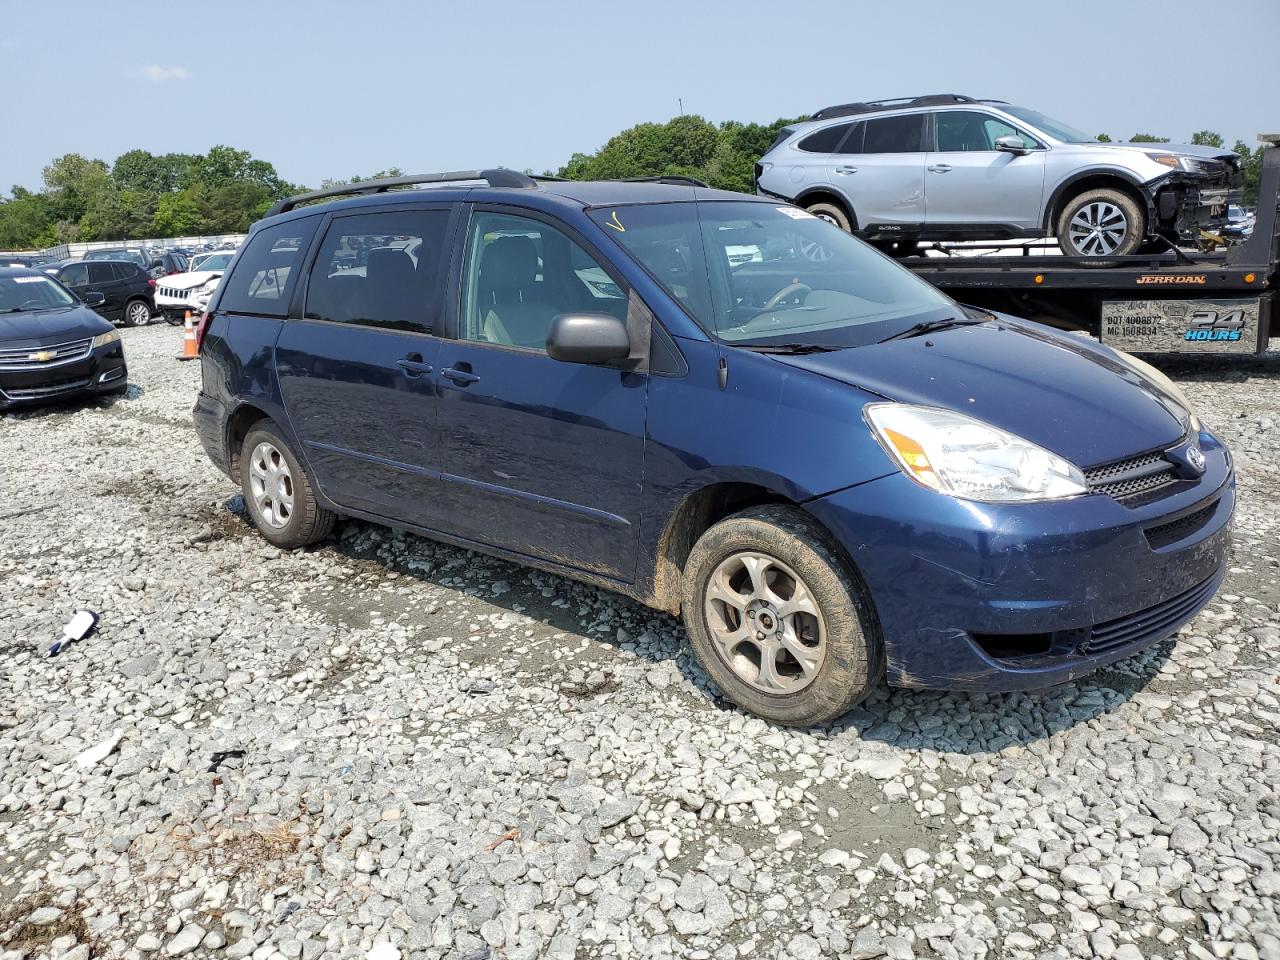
(101, 273)
(267, 270)
(521, 274)
(827, 140)
(76, 275)
(894, 134)
(379, 270)
(961, 131)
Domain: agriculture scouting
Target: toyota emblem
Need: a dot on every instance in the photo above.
(1195, 458)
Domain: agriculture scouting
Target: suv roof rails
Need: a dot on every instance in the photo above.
(874, 106)
(495, 178)
(665, 178)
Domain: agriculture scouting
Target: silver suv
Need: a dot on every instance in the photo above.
(949, 167)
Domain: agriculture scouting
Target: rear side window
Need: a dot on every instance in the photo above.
(827, 140)
(101, 273)
(894, 135)
(268, 269)
(379, 270)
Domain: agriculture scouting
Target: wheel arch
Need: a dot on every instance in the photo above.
(239, 423)
(1097, 179)
(827, 195)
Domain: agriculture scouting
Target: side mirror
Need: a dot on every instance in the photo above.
(588, 338)
(94, 299)
(1012, 144)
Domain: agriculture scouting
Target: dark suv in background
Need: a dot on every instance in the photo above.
(831, 469)
(128, 291)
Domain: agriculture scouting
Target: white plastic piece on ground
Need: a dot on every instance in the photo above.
(95, 755)
(383, 951)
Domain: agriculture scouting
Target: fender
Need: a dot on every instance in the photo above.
(832, 191)
(1146, 189)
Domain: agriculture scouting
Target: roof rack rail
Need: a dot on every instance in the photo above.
(665, 178)
(495, 178)
(874, 106)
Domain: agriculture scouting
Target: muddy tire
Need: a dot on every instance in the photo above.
(778, 619)
(278, 493)
(1101, 224)
(832, 213)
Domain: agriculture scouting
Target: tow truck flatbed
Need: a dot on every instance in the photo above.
(1166, 302)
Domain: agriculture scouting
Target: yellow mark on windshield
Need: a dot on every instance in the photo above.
(615, 223)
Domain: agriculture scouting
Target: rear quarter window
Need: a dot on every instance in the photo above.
(267, 271)
(827, 140)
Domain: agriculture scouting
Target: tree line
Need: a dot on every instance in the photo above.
(225, 190)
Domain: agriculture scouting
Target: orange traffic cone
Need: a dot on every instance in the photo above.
(190, 350)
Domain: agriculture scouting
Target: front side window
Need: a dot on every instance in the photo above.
(521, 274)
(1054, 128)
(31, 292)
(760, 274)
(379, 270)
(961, 131)
(263, 280)
(894, 135)
(76, 275)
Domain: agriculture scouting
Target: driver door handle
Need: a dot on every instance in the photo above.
(413, 366)
(846, 169)
(460, 376)
(940, 168)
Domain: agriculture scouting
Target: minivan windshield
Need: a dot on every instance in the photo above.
(35, 291)
(1054, 128)
(765, 274)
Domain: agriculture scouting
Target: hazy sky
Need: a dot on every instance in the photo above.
(324, 89)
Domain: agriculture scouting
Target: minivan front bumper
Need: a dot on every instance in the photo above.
(1003, 597)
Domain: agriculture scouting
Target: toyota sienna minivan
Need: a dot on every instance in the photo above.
(721, 406)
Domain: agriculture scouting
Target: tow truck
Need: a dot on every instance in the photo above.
(1168, 302)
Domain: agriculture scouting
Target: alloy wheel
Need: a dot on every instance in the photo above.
(139, 315)
(1098, 229)
(765, 623)
(271, 485)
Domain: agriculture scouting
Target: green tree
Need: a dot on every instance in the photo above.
(1147, 138)
(1206, 138)
(148, 173)
(1103, 138)
(1251, 168)
(73, 182)
(683, 145)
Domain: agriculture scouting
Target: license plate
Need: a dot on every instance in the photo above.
(1183, 326)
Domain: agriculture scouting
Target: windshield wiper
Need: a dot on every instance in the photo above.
(931, 326)
(789, 348)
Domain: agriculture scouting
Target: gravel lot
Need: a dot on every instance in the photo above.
(390, 748)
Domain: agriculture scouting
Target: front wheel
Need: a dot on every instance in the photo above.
(137, 313)
(1101, 223)
(278, 492)
(778, 619)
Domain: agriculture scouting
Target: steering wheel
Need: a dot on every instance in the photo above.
(790, 290)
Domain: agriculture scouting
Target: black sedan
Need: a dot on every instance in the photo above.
(52, 345)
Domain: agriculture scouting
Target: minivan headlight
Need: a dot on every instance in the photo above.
(102, 339)
(967, 458)
(1167, 386)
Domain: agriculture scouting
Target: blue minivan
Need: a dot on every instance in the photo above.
(725, 408)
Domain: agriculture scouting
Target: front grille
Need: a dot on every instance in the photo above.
(37, 358)
(1164, 534)
(173, 293)
(1151, 623)
(46, 390)
(1132, 477)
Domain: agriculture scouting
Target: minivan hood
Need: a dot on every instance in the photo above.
(46, 327)
(1069, 396)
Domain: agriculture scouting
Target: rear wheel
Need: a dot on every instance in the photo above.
(778, 619)
(137, 313)
(278, 492)
(1101, 223)
(833, 214)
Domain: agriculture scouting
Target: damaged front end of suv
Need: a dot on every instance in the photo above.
(1195, 194)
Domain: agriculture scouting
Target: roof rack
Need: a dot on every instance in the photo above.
(495, 178)
(665, 178)
(874, 106)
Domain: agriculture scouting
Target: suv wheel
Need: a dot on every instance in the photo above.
(777, 618)
(832, 213)
(278, 492)
(137, 313)
(1101, 223)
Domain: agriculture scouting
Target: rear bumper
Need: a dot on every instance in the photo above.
(103, 371)
(1016, 597)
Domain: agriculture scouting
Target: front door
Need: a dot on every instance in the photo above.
(356, 371)
(541, 457)
(968, 181)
